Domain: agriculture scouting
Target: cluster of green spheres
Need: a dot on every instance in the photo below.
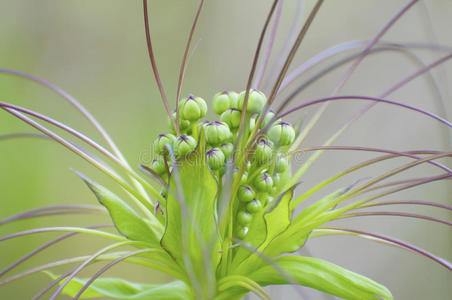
(268, 167)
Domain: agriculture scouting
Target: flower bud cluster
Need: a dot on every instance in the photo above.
(266, 171)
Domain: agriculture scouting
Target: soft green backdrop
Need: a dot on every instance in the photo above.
(96, 51)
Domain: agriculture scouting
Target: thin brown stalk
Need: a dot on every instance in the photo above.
(184, 63)
(154, 65)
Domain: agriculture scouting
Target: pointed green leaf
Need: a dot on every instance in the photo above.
(116, 288)
(126, 220)
(323, 276)
(191, 231)
(299, 229)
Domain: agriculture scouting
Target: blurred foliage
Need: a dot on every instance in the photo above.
(96, 51)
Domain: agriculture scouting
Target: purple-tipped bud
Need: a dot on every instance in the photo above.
(281, 134)
(215, 158)
(192, 108)
(160, 144)
(217, 133)
(263, 183)
(246, 193)
(184, 145)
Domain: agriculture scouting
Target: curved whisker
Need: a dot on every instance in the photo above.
(371, 45)
(391, 213)
(91, 259)
(77, 134)
(400, 182)
(360, 98)
(58, 263)
(408, 202)
(271, 262)
(253, 68)
(381, 46)
(55, 210)
(108, 266)
(410, 154)
(143, 202)
(184, 63)
(65, 229)
(269, 47)
(45, 246)
(154, 64)
(52, 284)
(23, 135)
(397, 242)
(43, 268)
(83, 111)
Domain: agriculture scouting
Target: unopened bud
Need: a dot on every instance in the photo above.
(217, 133)
(282, 134)
(192, 108)
(263, 183)
(246, 193)
(162, 141)
(215, 158)
(184, 145)
(256, 101)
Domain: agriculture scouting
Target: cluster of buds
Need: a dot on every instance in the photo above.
(267, 168)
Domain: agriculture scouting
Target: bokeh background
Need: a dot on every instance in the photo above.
(96, 51)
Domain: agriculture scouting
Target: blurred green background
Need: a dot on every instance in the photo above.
(96, 51)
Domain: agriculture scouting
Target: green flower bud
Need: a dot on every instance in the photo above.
(263, 183)
(242, 233)
(234, 99)
(282, 134)
(192, 108)
(228, 149)
(183, 124)
(256, 101)
(232, 118)
(217, 133)
(221, 102)
(161, 142)
(281, 164)
(184, 145)
(244, 217)
(215, 158)
(263, 152)
(246, 193)
(254, 206)
(158, 166)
